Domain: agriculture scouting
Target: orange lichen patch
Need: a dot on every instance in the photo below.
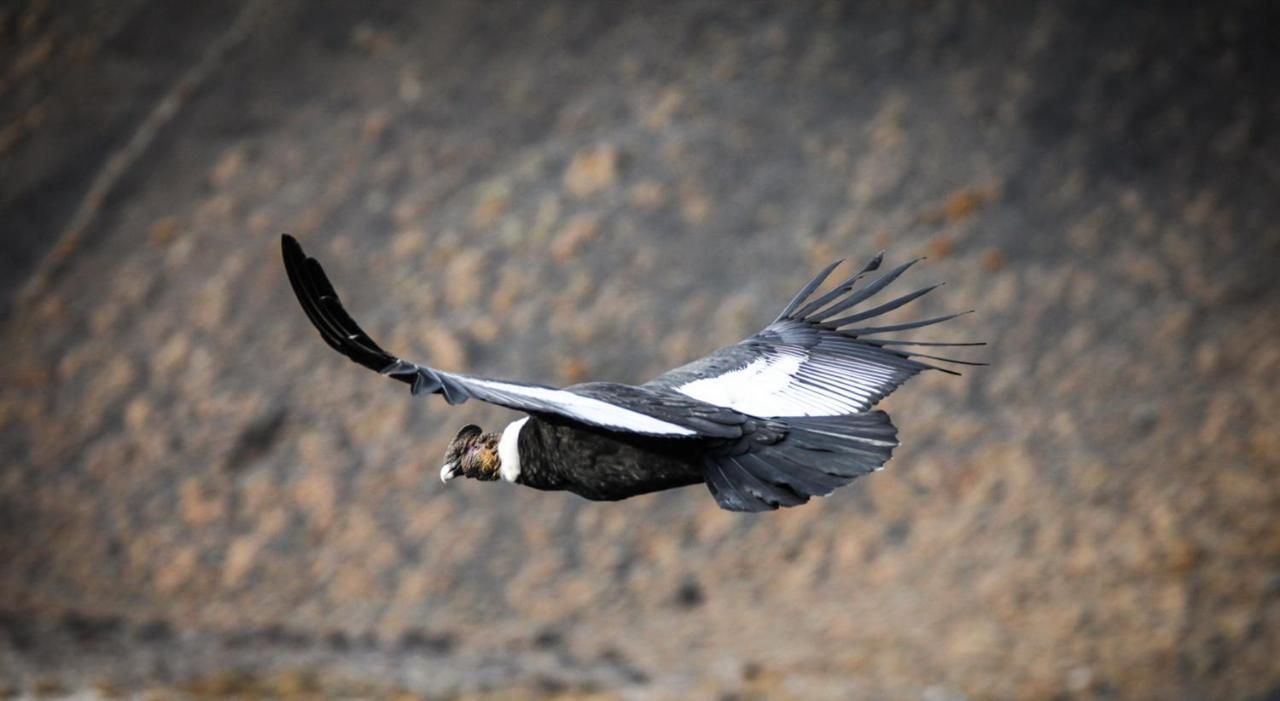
(993, 260)
(573, 370)
(963, 205)
(163, 231)
(959, 206)
(942, 246)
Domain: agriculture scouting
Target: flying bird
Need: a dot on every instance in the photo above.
(772, 421)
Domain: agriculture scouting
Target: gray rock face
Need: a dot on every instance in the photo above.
(197, 495)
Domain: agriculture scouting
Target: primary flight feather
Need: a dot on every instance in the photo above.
(778, 418)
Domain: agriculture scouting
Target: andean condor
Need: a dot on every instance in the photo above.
(780, 417)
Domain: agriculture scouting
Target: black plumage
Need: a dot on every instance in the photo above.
(555, 456)
(771, 421)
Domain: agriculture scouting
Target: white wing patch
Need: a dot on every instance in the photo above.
(589, 410)
(787, 382)
(762, 378)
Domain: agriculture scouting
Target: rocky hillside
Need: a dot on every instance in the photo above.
(198, 497)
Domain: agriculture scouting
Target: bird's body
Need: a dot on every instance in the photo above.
(772, 421)
(597, 465)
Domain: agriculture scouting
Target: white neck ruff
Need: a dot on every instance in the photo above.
(509, 450)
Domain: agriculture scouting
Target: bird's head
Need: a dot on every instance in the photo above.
(472, 453)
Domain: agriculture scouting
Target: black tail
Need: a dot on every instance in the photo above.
(818, 454)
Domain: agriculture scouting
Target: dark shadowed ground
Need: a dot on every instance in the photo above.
(198, 497)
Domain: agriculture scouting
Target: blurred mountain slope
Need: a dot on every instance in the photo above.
(196, 492)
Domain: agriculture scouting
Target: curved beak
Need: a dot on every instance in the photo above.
(449, 471)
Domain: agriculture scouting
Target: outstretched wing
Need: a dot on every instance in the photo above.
(816, 371)
(818, 358)
(613, 408)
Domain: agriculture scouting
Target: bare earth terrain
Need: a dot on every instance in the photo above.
(197, 497)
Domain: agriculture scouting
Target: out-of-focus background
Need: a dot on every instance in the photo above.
(198, 498)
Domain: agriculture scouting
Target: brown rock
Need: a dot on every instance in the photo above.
(445, 349)
(175, 570)
(227, 168)
(573, 370)
(200, 504)
(647, 194)
(492, 202)
(664, 109)
(239, 560)
(576, 233)
(466, 277)
(695, 207)
(163, 230)
(592, 170)
(317, 495)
